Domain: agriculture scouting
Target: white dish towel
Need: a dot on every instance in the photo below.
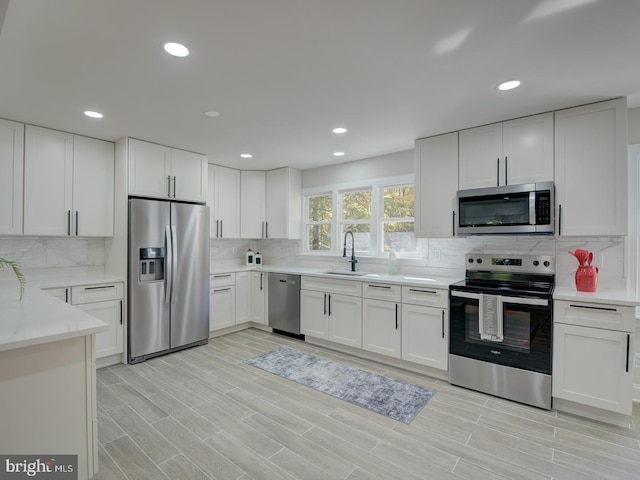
(490, 326)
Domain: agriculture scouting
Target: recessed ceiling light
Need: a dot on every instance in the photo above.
(92, 114)
(246, 155)
(509, 85)
(212, 113)
(339, 130)
(176, 49)
(338, 154)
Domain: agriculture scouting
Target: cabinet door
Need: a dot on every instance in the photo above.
(222, 309)
(381, 327)
(11, 183)
(228, 202)
(188, 174)
(243, 297)
(93, 186)
(283, 203)
(425, 335)
(345, 320)
(48, 176)
(591, 169)
(480, 156)
(604, 380)
(149, 167)
(252, 200)
(258, 297)
(528, 150)
(314, 320)
(436, 184)
(110, 342)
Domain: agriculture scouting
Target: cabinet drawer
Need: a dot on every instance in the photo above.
(382, 291)
(338, 286)
(596, 315)
(429, 297)
(96, 293)
(219, 279)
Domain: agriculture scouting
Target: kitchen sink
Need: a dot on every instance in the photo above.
(345, 274)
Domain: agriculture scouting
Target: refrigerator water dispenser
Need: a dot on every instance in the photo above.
(151, 267)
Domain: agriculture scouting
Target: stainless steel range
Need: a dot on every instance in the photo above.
(501, 322)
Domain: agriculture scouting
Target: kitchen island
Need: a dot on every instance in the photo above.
(47, 377)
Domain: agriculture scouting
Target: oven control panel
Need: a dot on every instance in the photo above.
(510, 262)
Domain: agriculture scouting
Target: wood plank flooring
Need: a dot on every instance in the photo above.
(204, 414)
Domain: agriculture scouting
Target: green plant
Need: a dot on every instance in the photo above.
(4, 263)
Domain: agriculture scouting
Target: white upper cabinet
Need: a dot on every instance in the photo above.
(69, 184)
(164, 172)
(507, 153)
(252, 204)
(591, 169)
(436, 183)
(224, 202)
(12, 167)
(284, 203)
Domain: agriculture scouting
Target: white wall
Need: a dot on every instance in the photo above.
(633, 126)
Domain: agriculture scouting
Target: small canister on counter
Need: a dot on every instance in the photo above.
(258, 259)
(250, 257)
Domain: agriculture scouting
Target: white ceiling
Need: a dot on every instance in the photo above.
(283, 73)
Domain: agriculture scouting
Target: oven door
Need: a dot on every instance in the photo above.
(525, 340)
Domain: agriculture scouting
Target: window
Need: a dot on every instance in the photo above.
(398, 220)
(320, 214)
(379, 213)
(356, 216)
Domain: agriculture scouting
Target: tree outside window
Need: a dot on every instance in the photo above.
(356, 216)
(320, 214)
(398, 219)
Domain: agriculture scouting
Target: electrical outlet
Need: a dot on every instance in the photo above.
(636, 360)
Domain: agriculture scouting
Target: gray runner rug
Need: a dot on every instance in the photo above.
(398, 400)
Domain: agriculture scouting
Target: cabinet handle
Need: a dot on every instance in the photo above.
(506, 169)
(442, 323)
(430, 292)
(559, 220)
(99, 287)
(169, 186)
(66, 295)
(498, 172)
(260, 281)
(396, 316)
(266, 229)
(222, 290)
(121, 312)
(329, 304)
(453, 223)
(220, 228)
(174, 186)
(325, 304)
(217, 227)
(76, 223)
(222, 276)
(607, 309)
(69, 222)
(262, 230)
(628, 345)
(388, 287)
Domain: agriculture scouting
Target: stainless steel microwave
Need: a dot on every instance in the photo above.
(510, 209)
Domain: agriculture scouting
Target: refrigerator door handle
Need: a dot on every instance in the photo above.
(168, 265)
(174, 260)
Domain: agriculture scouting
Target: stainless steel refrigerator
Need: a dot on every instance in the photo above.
(168, 301)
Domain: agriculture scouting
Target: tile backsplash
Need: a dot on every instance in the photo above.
(45, 252)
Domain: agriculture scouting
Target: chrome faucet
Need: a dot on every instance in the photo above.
(353, 260)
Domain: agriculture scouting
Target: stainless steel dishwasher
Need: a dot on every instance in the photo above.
(284, 304)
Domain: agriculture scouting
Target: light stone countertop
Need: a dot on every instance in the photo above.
(39, 318)
(617, 297)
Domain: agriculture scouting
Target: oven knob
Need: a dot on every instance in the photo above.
(479, 260)
(470, 260)
(536, 263)
(546, 263)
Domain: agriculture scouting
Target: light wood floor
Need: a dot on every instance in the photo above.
(204, 414)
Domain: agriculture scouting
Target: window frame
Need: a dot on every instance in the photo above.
(376, 186)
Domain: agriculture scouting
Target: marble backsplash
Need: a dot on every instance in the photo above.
(446, 255)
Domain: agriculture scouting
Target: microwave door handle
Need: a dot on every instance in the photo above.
(532, 209)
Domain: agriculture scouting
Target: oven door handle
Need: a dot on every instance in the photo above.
(513, 300)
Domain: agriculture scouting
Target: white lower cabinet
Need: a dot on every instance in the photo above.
(326, 313)
(259, 297)
(222, 301)
(425, 334)
(381, 327)
(111, 313)
(243, 297)
(593, 355)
